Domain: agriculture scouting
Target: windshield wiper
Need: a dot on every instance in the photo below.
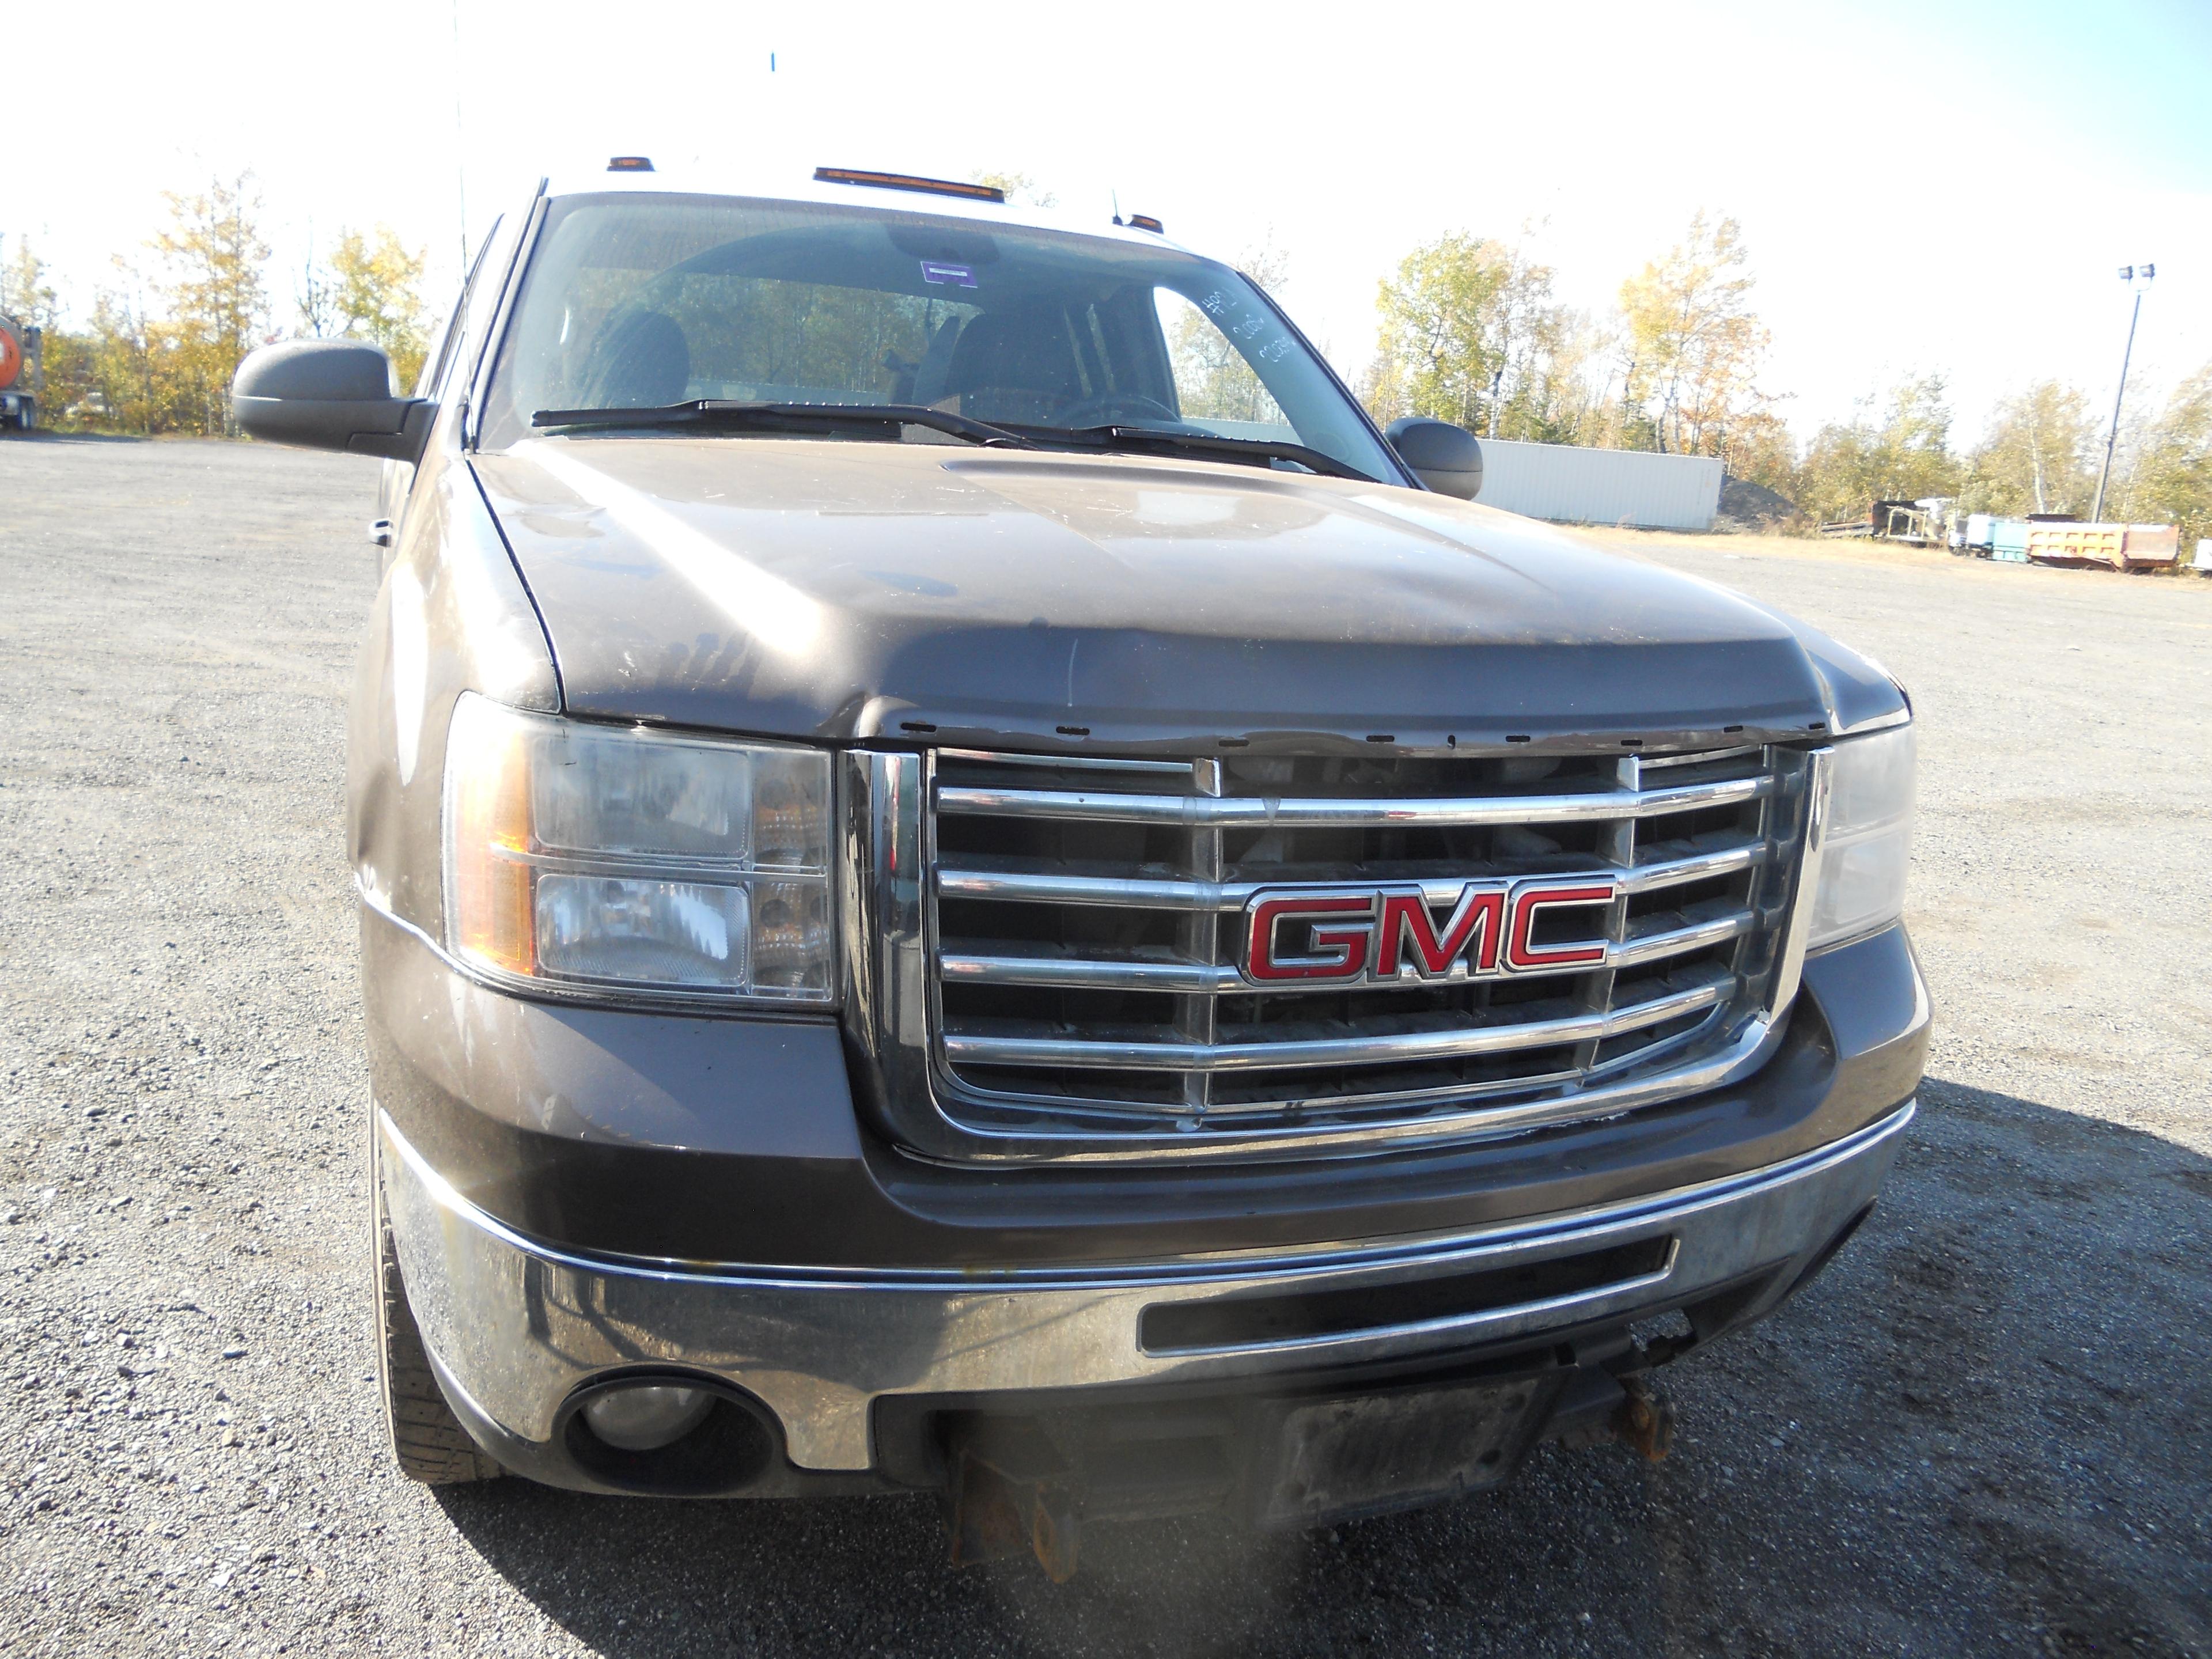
(880, 418)
(1259, 450)
(782, 418)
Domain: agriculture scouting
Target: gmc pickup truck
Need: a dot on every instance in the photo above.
(969, 882)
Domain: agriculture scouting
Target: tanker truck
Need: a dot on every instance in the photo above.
(20, 375)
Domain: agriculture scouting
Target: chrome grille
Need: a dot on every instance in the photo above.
(1080, 972)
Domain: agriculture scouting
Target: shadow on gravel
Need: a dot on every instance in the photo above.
(1980, 1431)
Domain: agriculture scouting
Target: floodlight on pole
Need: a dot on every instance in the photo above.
(2137, 277)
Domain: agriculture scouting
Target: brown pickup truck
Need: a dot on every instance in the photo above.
(971, 882)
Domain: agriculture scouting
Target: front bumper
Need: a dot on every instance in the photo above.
(516, 1326)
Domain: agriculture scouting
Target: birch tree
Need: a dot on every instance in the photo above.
(1466, 328)
(1693, 343)
(2037, 456)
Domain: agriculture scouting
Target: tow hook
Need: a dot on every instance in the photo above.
(1644, 1420)
(994, 1511)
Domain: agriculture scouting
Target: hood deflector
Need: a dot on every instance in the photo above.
(847, 591)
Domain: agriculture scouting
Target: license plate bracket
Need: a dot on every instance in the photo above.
(1320, 1461)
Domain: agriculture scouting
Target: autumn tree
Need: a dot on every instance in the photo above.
(1759, 446)
(1898, 449)
(1559, 396)
(1019, 186)
(2166, 475)
(216, 302)
(130, 361)
(2039, 455)
(1467, 329)
(376, 294)
(24, 293)
(1693, 344)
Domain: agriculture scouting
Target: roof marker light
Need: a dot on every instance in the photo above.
(908, 181)
(630, 164)
(1145, 221)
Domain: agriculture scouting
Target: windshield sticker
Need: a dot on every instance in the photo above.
(936, 270)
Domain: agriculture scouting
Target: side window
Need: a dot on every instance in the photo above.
(1215, 382)
(396, 489)
(433, 379)
(434, 366)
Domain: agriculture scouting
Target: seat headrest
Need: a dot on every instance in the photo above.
(640, 360)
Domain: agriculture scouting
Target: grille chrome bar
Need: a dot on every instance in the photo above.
(1135, 972)
(1094, 972)
(1700, 867)
(1056, 887)
(1290, 811)
(1296, 1052)
(1638, 949)
(1169, 893)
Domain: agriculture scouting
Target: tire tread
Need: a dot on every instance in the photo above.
(428, 1441)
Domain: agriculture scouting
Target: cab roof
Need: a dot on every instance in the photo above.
(784, 187)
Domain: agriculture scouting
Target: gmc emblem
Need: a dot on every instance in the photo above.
(1381, 935)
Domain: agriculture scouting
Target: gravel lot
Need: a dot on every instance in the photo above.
(1984, 1431)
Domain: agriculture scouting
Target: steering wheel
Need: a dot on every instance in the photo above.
(1115, 407)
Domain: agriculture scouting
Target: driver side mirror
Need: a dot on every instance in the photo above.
(1444, 457)
(329, 394)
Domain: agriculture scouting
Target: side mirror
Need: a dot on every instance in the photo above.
(1444, 457)
(329, 394)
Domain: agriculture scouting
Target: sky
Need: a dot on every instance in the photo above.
(1924, 185)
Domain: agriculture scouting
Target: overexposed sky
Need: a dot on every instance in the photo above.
(1923, 184)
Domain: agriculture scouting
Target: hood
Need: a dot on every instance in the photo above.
(845, 591)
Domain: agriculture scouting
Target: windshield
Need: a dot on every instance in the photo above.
(644, 301)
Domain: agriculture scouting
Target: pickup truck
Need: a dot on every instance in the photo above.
(970, 882)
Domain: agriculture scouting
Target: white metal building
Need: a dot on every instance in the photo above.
(1572, 485)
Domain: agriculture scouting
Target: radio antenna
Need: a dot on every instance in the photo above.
(460, 153)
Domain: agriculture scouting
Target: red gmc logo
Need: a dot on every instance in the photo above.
(1375, 935)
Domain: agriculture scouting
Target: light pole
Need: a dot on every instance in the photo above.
(2138, 278)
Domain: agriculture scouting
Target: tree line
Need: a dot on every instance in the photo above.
(1469, 329)
(156, 351)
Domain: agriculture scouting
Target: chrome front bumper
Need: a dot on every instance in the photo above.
(515, 1327)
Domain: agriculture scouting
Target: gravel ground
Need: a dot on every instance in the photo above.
(1982, 1433)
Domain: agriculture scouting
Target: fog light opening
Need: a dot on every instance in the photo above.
(646, 1416)
(679, 1435)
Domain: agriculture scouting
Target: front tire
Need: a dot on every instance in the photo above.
(428, 1441)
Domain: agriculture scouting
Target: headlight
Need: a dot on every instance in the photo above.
(1869, 831)
(589, 856)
